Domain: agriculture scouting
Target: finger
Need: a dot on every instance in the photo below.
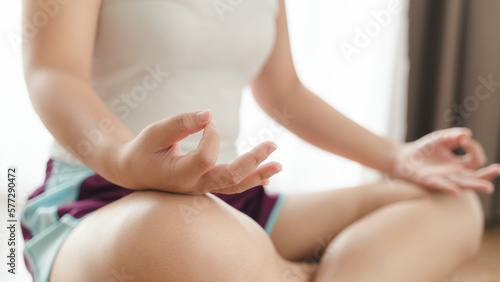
(451, 137)
(218, 178)
(442, 184)
(472, 183)
(196, 163)
(178, 127)
(490, 172)
(228, 175)
(259, 176)
(247, 163)
(475, 156)
(265, 182)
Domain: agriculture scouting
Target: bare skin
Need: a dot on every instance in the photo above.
(366, 232)
(150, 239)
(349, 231)
(379, 232)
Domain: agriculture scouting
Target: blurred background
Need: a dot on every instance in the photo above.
(354, 54)
(455, 75)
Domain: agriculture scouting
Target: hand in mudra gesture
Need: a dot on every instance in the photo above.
(430, 161)
(153, 160)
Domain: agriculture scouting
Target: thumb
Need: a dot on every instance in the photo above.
(452, 137)
(203, 158)
(475, 157)
(178, 127)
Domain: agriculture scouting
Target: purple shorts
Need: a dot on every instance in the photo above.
(71, 192)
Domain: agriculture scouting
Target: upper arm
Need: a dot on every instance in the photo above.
(60, 36)
(278, 75)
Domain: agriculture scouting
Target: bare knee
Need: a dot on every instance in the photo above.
(208, 242)
(470, 216)
(154, 236)
(435, 228)
(466, 208)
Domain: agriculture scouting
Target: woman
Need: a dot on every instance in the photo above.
(120, 83)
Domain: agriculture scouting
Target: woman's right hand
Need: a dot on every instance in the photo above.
(153, 160)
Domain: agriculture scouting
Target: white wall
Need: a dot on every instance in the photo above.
(23, 139)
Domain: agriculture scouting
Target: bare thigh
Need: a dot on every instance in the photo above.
(315, 219)
(379, 232)
(156, 236)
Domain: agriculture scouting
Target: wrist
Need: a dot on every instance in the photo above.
(394, 154)
(109, 160)
(120, 165)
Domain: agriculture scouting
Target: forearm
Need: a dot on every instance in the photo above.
(78, 119)
(323, 126)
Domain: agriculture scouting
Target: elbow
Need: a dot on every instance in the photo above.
(40, 75)
(41, 84)
(275, 95)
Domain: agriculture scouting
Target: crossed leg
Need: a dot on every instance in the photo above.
(379, 232)
(155, 236)
(366, 233)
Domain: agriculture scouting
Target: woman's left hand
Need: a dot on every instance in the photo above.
(430, 162)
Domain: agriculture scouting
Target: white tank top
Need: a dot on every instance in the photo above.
(157, 58)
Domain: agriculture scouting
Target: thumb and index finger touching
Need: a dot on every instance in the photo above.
(178, 127)
(204, 157)
(475, 156)
(462, 137)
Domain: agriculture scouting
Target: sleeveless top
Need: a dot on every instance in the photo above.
(157, 58)
(154, 59)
